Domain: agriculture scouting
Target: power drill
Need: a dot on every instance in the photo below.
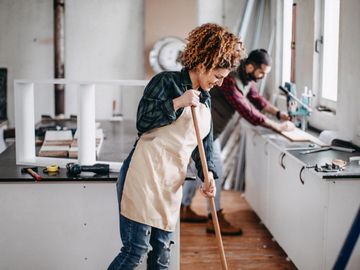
(98, 168)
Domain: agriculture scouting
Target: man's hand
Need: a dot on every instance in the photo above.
(287, 126)
(210, 190)
(279, 127)
(189, 98)
(284, 116)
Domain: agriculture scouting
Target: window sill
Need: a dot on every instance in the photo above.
(323, 120)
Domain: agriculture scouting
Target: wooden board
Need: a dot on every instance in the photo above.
(298, 135)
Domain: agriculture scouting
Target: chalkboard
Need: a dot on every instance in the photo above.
(3, 90)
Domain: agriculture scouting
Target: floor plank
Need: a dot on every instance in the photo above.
(253, 250)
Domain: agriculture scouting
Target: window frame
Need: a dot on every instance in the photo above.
(321, 45)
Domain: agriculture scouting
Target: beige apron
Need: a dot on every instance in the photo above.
(153, 185)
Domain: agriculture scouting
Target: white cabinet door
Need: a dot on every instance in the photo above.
(256, 174)
(308, 216)
(344, 201)
(281, 198)
(61, 226)
(296, 210)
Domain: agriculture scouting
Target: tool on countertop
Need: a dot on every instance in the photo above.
(356, 158)
(336, 165)
(98, 168)
(291, 94)
(33, 172)
(326, 148)
(52, 169)
(298, 109)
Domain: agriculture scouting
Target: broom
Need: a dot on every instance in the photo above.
(212, 201)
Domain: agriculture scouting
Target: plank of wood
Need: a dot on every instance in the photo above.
(54, 150)
(298, 135)
(58, 137)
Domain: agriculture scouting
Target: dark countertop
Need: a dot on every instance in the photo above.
(119, 140)
(352, 170)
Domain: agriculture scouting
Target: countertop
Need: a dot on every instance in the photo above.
(352, 170)
(119, 139)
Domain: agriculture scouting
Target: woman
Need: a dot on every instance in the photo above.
(151, 178)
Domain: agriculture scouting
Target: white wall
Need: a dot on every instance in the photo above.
(105, 41)
(210, 11)
(102, 41)
(26, 47)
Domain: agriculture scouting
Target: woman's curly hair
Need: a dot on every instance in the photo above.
(214, 46)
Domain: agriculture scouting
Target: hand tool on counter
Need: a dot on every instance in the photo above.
(356, 158)
(311, 146)
(33, 172)
(52, 169)
(298, 109)
(206, 180)
(98, 168)
(336, 165)
(287, 92)
(326, 148)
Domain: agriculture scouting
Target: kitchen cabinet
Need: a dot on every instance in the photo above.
(257, 167)
(343, 204)
(296, 209)
(307, 215)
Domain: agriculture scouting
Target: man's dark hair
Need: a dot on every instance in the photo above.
(258, 57)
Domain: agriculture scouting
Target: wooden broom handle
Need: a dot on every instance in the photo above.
(206, 180)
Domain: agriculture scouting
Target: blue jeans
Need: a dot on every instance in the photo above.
(137, 238)
(189, 188)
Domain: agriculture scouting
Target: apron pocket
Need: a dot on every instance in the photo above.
(174, 169)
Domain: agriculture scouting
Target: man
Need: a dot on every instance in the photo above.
(237, 93)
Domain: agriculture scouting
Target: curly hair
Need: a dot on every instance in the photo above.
(212, 45)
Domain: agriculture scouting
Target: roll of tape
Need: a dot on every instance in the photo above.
(52, 168)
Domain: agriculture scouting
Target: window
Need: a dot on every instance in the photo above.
(328, 47)
(287, 42)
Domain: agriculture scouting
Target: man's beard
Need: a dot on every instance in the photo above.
(251, 77)
(246, 77)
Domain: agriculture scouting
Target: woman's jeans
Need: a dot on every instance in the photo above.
(137, 238)
(189, 188)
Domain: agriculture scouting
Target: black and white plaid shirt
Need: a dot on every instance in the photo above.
(156, 109)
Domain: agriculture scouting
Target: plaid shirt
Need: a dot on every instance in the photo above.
(156, 109)
(241, 104)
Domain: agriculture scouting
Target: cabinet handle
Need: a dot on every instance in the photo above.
(282, 155)
(317, 42)
(300, 175)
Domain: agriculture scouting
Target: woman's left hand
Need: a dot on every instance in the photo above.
(208, 191)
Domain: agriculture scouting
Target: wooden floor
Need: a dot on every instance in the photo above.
(253, 250)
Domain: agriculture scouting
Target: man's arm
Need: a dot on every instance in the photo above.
(280, 115)
(234, 96)
(238, 101)
(278, 127)
(263, 105)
